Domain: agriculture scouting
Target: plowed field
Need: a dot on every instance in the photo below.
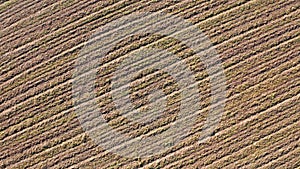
(257, 42)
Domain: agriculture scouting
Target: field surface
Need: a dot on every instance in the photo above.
(258, 44)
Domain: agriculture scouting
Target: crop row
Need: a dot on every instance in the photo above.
(247, 85)
(254, 89)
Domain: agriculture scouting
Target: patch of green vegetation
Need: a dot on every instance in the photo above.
(7, 4)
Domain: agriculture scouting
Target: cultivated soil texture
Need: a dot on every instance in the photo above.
(257, 41)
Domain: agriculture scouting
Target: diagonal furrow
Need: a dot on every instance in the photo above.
(20, 119)
(257, 42)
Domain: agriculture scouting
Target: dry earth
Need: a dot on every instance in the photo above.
(258, 42)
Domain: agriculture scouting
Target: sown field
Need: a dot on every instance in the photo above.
(257, 41)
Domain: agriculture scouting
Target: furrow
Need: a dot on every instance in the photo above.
(231, 138)
(287, 66)
(284, 130)
(197, 15)
(292, 163)
(36, 80)
(14, 9)
(45, 84)
(235, 50)
(5, 6)
(25, 12)
(122, 5)
(260, 123)
(58, 30)
(59, 110)
(261, 79)
(35, 117)
(277, 119)
(271, 90)
(39, 17)
(93, 157)
(17, 137)
(279, 153)
(22, 61)
(257, 150)
(39, 28)
(90, 151)
(55, 136)
(64, 29)
(229, 21)
(20, 118)
(79, 151)
(250, 139)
